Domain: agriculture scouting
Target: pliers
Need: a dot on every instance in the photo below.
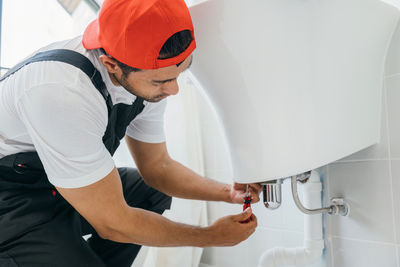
(247, 202)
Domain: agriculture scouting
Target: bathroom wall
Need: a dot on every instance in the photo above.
(369, 180)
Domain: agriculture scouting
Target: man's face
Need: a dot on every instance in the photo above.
(152, 85)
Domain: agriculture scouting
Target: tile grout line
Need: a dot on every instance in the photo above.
(326, 196)
(392, 75)
(393, 211)
(365, 241)
(390, 171)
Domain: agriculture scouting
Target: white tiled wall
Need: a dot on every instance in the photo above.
(369, 180)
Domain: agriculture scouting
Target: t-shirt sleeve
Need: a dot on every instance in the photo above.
(66, 125)
(148, 126)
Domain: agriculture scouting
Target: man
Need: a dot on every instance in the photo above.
(63, 111)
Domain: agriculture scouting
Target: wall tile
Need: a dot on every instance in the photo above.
(395, 165)
(392, 65)
(398, 255)
(393, 98)
(353, 253)
(366, 187)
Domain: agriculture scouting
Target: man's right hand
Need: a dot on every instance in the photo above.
(230, 230)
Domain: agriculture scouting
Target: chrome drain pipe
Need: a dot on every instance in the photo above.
(272, 194)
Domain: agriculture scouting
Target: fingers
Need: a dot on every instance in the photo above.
(254, 190)
(229, 230)
(253, 221)
(253, 218)
(257, 187)
(251, 225)
(238, 186)
(244, 215)
(255, 196)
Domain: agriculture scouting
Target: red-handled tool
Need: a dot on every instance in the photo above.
(247, 202)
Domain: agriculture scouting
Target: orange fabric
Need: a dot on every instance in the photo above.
(134, 31)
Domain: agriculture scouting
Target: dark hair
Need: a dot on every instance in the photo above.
(174, 46)
(125, 68)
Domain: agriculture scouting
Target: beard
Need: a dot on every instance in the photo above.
(124, 83)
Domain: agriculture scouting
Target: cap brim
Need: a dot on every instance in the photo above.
(90, 38)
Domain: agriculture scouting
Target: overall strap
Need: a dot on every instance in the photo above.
(70, 57)
(119, 115)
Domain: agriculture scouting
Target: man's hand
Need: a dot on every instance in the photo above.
(238, 192)
(229, 230)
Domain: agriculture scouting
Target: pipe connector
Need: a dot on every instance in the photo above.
(339, 207)
(272, 194)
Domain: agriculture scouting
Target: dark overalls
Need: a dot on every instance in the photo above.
(38, 227)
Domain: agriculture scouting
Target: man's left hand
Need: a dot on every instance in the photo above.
(238, 192)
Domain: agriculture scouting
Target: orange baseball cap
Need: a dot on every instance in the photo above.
(134, 31)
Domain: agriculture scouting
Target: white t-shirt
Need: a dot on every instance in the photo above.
(53, 108)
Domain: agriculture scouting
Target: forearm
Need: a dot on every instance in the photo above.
(168, 176)
(151, 229)
(176, 180)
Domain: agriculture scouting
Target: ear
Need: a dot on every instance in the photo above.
(110, 64)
